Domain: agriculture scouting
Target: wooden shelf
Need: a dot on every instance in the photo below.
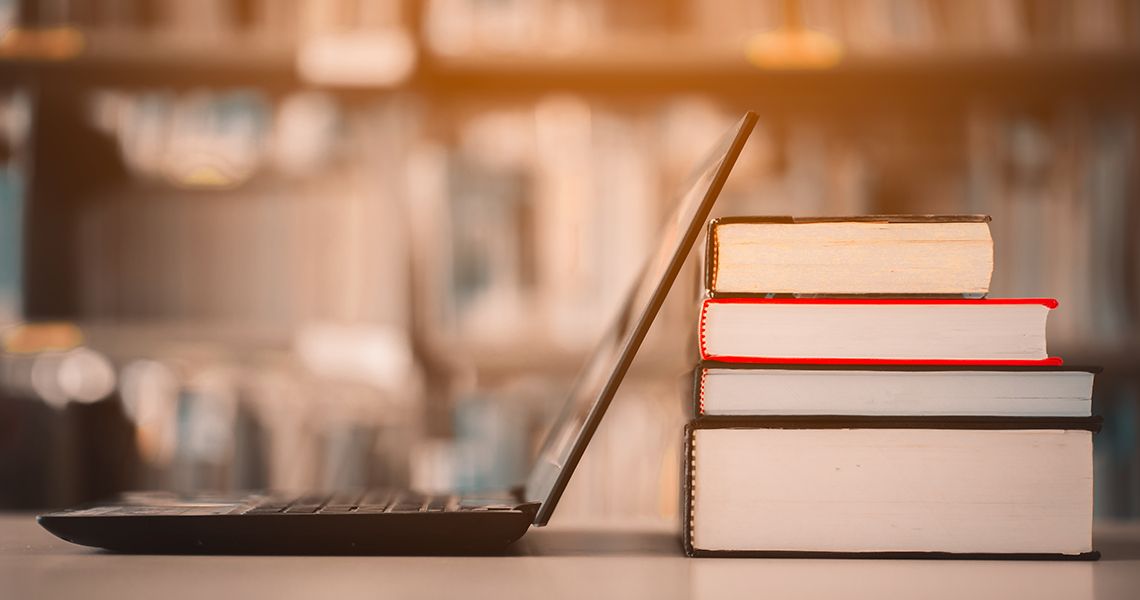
(624, 68)
(940, 78)
(155, 61)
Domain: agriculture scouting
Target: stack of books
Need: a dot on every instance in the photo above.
(858, 395)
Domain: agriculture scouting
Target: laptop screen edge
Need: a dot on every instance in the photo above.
(567, 427)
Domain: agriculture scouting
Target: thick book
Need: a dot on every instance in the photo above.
(875, 331)
(891, 255)
(749, 389)
(875, 487)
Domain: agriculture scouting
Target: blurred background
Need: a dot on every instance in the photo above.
(327, 244)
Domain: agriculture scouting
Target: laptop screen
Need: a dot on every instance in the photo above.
(599, 378)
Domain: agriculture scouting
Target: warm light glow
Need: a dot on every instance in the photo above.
(793, 48)
(80, 375)
(56, 43)
(363, 58)
(86, 375)
(204, 177)
(33, 338)
(373, 355)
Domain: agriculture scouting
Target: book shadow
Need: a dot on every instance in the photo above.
(1117, 550)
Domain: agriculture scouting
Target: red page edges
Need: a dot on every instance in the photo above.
(1049, 303)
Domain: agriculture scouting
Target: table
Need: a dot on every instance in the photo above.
(600, 560)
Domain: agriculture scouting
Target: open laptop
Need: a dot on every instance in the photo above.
(399, 522)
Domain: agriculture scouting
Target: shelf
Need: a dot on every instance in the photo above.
(145, 60)
(630, 67)
(940, 77)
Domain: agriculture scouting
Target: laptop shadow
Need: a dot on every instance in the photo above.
(599, 542)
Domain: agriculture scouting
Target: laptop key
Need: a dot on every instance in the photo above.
(373, 502)
(337, 509)
(267, 508)
(302, 509)
(371, 509)
(307, 504)
(406, 506)
(376, 500)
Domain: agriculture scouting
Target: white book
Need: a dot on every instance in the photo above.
(932, 331)
(881, 488)
(726, 389)
(945, 255)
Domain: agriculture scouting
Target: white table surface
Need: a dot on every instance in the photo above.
(562, 561)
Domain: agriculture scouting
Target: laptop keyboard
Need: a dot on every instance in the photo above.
(360, 503)
(368, 503)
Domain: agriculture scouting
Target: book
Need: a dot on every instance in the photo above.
(875, 331)
(746, 389)
(966, 487)
(879, 255)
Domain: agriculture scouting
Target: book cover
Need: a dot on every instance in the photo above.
(928, 261)
(847, 424)
(738, 357)
(700, 374)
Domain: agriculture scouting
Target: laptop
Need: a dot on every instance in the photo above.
(401, 521)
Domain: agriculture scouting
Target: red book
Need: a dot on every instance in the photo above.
(876, 331)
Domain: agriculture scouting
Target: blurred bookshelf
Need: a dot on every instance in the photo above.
(410, 219)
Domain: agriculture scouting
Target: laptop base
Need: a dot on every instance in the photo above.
(194, 526)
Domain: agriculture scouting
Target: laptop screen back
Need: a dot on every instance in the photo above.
(599, 378)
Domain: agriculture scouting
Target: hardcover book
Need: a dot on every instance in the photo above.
(875, 331)
(939, 487)
(893, 255)
(749, 389)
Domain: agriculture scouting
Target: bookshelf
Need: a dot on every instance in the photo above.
(942, 76)
(952, 107)
(668, 68)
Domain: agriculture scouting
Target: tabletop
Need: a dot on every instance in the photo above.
(598, 560)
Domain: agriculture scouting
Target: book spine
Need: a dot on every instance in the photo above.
(689, 468)
(712, 258)
(702, 330)
(700, 377)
